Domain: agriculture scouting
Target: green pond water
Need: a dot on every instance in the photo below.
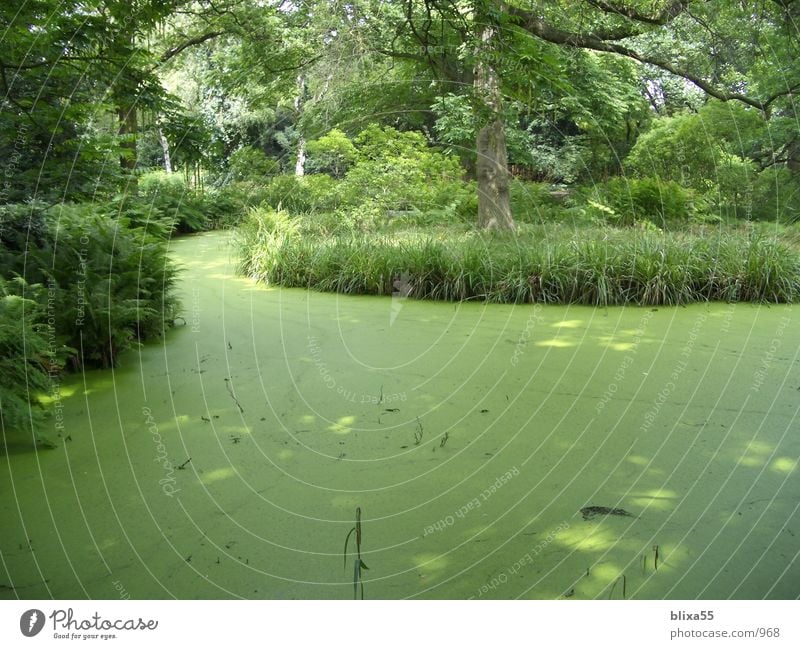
(227, 461)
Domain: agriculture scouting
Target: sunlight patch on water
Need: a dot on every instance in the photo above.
(784, 465)
(568, 324)
(555, 342)
(217, 474)
(430, 561)
(663, 499)
(343, 425)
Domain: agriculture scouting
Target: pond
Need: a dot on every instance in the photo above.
(495, 451)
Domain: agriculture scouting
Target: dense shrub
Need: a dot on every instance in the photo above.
(382, 171)
(26, 357)
(165, 199)
(301, 195)
(627, 201)
(251, 164)
(334, 153)
(108, 284)
(77, 286)
(683, 149)
(775, 197)
(398, 171)
(534, 202)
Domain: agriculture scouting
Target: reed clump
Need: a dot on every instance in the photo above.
(555, 264)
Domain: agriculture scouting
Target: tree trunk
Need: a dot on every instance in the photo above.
(300, 165)
(128, 127)
(165, 149)
(299, 102)
(494, 202)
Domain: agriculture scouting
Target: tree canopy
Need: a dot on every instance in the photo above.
(556, 89)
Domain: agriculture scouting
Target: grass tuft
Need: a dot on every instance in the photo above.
(594, 266)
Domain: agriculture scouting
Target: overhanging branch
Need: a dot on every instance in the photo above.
(538, 27)
(668, 13)
(197, 40)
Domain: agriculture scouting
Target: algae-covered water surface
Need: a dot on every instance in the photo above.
(494, 451)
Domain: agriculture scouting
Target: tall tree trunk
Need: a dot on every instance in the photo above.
(494, 202)
(299, 100)
(300, 164)
(165, 149)
(128, 127)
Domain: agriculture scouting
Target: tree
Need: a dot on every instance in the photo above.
(620, 28)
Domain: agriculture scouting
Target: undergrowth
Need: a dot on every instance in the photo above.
(548, 264)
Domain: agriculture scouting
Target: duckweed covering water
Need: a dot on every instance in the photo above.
(228, 461)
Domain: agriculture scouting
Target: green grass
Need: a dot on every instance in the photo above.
(550, 264)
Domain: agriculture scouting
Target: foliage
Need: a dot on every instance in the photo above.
(685, 150)
(388, 173)
(251, 164)
(775, 197)
(165, 198)
(334, 153)
(109, 285)
(398, 171)
(559, 265)
(628, 201)
(70, 70)
(535, 203)
(26, 357)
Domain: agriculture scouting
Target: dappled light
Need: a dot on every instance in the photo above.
(495, 467)
(396, 300)
(784, 465)
(558, 343)
(217, 475)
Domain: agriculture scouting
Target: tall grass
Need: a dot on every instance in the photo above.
(598, 266)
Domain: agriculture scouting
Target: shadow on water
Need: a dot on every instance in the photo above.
(494, 451)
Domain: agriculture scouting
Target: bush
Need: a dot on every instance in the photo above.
(687, 150)
(397, 171)
(533, 202)
(109, 285)
(251, 164)
(76, 287)
(775, 196)
(165, 200)
(626, 202)
(301, 195)
(25, 357)
(331, 154)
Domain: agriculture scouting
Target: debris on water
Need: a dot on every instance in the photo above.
(595, 510)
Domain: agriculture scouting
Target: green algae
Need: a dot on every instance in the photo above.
(227, 461)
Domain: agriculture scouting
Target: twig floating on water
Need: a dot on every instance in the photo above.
(233, 396)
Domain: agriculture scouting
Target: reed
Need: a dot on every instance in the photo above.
(593, 266)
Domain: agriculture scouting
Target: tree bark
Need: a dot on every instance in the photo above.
(300, 164)
(128, 128)
(494, 202)
(165, 149)
(299, 102)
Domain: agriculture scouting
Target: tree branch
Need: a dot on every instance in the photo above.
(538, 27)
(668, 13)
(197, 40)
